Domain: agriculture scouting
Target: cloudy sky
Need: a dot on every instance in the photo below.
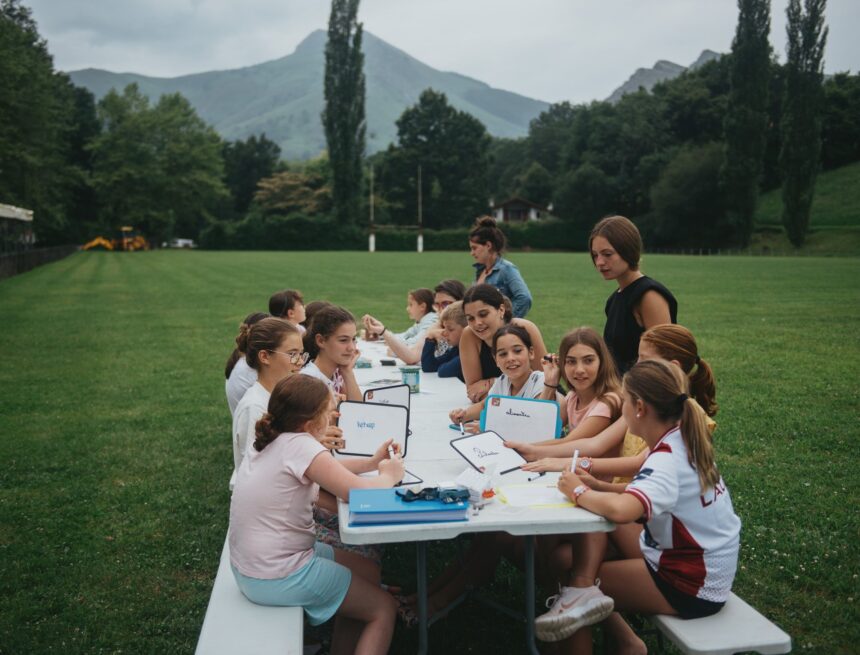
(553, 50)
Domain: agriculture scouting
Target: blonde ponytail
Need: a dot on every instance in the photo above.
(664, 387)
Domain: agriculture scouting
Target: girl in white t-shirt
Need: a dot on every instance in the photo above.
(274, 554)
(330, 342)
(273, 350)
(689, 547)
(513, 351)
(239, 376)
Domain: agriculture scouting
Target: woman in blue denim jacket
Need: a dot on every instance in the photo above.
(486, 243)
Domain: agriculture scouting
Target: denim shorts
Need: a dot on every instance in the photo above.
(319, 586)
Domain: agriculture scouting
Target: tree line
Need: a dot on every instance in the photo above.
(686, 160)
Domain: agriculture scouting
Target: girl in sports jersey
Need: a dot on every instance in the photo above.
(330, 342)
(689, 547)
(513, 351)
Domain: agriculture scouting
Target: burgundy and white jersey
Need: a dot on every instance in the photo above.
(690, 538)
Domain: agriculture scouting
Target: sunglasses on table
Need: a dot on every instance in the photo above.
(434, 493)
(295, 357)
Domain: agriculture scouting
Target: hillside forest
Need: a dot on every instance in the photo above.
(85, 168)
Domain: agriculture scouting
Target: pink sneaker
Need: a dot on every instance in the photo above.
(571, 609)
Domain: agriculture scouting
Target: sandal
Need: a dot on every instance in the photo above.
(405, 612)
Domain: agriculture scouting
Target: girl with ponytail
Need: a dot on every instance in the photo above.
(486, 244)
(238, 374)
(274, 553)
(689, 547)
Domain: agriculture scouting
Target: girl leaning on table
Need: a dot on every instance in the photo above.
(486, 312)
(274, 554)
(330, 342)
(688, 549)
(673, 343)
(407, 345)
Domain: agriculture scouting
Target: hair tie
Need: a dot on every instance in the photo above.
(682, 398)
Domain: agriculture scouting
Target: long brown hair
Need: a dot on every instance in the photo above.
(662, 386)
(265, 334)
(675, 342)
(325, 322)
(607, 386)
(295, 400)
(622, 235)
(423, 297)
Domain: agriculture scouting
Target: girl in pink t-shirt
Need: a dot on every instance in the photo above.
(586, 368)
(274, 553)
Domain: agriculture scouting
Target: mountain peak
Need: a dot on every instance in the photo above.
(662, 70)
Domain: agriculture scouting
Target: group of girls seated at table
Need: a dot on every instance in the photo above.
(642, 443)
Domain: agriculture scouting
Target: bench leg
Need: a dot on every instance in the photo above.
(422, 596)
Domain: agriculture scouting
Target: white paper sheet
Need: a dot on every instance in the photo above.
(535, 494)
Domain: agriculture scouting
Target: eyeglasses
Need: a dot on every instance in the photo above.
(444, 303)
(295, 358)
(447, 496)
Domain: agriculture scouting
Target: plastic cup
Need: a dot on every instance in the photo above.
(412, 376)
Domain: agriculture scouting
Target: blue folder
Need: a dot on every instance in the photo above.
(385, 507)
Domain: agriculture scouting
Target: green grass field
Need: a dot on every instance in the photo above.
(116, 453)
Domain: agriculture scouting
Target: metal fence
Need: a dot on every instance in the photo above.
(13, 263)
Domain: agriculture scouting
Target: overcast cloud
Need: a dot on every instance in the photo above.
(553, 50)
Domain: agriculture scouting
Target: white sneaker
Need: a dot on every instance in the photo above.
(571, 609)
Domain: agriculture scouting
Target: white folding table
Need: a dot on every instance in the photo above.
(432, 459)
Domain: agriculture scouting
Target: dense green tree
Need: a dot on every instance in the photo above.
(840, 129)
(156, 168)
(536, 185)
(548, 134)
(801, 117)
(687, 200)
(245, 164)
(37, 107)
(746, 117)
(305, 190)
(508, 160)
(584, 195)
(451, 147)
(343, 117)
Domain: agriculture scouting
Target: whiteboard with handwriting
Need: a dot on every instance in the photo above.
(485, 449)
(366, 426)
(394, 395)
(521, 419)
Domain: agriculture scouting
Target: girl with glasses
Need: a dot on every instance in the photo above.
(273, 349)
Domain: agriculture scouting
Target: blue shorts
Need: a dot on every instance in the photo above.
(319, 586)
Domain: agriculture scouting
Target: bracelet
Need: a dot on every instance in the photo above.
(585, 464)
(581, 489)
(383, 330)
(550, 386)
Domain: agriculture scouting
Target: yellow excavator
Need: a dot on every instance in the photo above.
(129, 240)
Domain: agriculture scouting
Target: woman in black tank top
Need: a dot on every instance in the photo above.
(639, 302)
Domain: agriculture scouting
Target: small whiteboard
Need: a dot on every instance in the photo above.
(394, 395)
(486, 449)
(521, 419)
(366, 426)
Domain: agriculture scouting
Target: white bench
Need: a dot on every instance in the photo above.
(234, 624)
(737, 628)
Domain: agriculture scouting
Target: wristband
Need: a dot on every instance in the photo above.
(581, 489)
(550, 386)
(383, 331)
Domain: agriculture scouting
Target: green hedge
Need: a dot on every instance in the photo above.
(302, 232)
